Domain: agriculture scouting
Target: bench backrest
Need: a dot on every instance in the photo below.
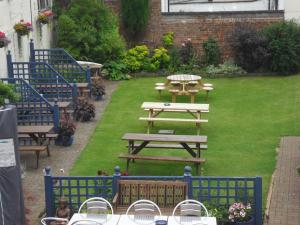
(166, 194)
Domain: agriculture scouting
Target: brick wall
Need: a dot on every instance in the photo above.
(199, 26)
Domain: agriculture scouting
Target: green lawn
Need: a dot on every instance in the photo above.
(246, 119)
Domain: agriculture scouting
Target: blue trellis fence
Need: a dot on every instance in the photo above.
(216, 191)
(33, 108)
(43, 78)
(62, 62)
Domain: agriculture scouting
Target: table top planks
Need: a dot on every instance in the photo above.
(165, 138)
(175, 106)
(184, 77)
(101, 219)
(34, 129)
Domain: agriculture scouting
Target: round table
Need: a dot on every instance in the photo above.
(184, 77)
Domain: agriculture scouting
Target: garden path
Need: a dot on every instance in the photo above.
(61, 158)
(285, 192)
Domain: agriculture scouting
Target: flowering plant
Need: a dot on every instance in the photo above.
(23, 28)
(239, 212)
(4, 41)
(45, 16)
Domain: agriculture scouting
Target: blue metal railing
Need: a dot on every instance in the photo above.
(62, 62)
(43, 78)
(33, 108)
(218, 191)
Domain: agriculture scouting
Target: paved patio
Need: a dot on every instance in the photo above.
(61, 158)
(285, 199)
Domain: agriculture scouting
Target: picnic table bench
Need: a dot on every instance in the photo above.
(190, 143)
(156, 108)
(39, 135)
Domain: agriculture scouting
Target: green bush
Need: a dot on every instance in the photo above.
(134, 15)
(227, 69)
(89, 31)
(211, 52)
(168, 39)
(284, 46)
(136, 58)
(7, 92)
(115, 70)
(187, 52)
(160, 59)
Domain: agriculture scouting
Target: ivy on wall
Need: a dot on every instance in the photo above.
(134, 14)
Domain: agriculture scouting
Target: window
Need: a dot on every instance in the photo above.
(44, 4)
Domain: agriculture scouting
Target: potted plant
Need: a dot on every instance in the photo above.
(239, 214)
(4, 41)
(84, 111)
(23, 28)
(66, 131)
(98, 88)
(6, 92)
(45, 16)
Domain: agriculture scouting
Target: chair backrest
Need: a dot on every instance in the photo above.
(86, 221)
(48, 220)
(190, 207)
(96, 205)
(144, 207)
(166, 194)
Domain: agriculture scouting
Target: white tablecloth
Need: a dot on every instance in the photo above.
(103, 219)
(140, 220)
(191, 220)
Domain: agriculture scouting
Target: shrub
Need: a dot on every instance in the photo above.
(227, 69)
(284, 46)
(134, 15)
(89, 31)
(187, 52)
(168, 39)
(84, 111)
(250, 48)
(136, 58)
(160, 59)
(174, 63)
(115, 70)
(7, 92)
(211, 52)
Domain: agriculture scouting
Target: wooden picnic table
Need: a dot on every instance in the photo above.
(178, 85)
(82, 89)
(183, 141)
(156, 108)
(37, 132)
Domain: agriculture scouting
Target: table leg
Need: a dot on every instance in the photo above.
(192, 98)
(173, 98)
(187, 147)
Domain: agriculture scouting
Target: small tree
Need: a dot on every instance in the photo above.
(134, 15)
(89, 31)
(211, 52)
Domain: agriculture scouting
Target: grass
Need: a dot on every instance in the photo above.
(246, 120)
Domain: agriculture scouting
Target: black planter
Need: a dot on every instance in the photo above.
(64, 140)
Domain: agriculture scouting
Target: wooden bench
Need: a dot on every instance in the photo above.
(166, 194)
(160, 89)
(207, 89)
(172, 146)
(153, 119)
(37, 149)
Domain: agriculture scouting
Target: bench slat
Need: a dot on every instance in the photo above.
(172, 146)
(174, 119)
(163, 158)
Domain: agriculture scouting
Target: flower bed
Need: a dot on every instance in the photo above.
(4, 41)
(45, 16)
(23, 28)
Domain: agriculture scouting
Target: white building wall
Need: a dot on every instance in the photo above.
(292, 9)
(11, 12)
(216, 6)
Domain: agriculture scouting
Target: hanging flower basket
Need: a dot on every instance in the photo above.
(45, 16)
(23, 28)
(4, 41)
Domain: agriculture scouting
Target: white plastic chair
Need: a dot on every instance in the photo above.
(190, 207)
(144, 207)
(86, 222)
(96, 205)
(53, 219)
